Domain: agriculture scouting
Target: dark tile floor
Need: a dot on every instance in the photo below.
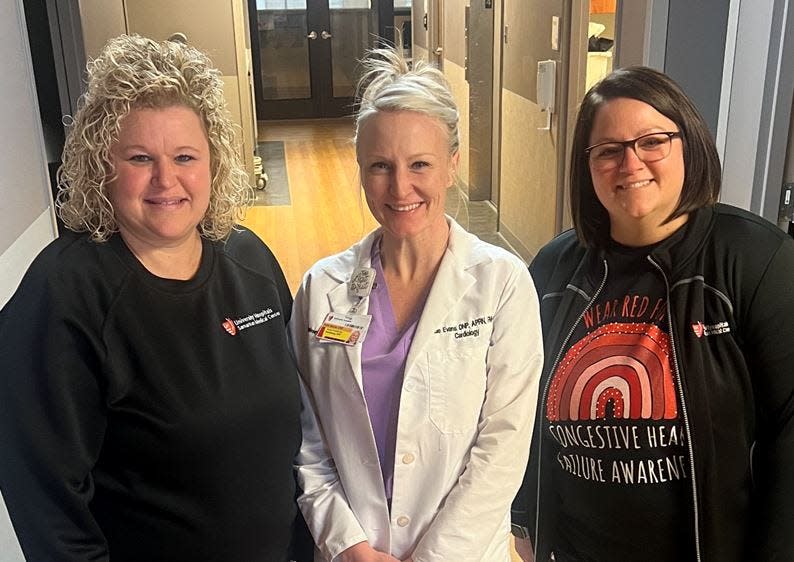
(478, 217)
(276, 191)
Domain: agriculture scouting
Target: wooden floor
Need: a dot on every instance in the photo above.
(327, 213)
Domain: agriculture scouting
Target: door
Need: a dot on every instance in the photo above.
(531, 152)
(480, 74)
(225, 40)
(305, 55)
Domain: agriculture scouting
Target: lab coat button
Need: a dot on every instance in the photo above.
(408, 458)
(410, 386)
(403, 521)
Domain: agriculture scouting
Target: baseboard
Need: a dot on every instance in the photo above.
(522, 251)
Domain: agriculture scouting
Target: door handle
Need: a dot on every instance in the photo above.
(325, 35)
(313, 35)
(439, 51)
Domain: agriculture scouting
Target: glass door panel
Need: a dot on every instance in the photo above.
(283, 31)
(354, 26)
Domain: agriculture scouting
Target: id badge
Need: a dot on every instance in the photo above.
(347, 329)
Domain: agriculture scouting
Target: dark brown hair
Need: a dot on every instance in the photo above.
(702, 171)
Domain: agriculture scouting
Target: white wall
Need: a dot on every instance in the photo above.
(25, 217)
(23, 182)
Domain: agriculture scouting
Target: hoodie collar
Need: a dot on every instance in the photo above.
(672, 254)
(676, 252)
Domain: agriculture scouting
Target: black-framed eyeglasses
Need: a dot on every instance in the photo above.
(648, 148)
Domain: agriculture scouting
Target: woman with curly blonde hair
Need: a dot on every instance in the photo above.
(150, 405)
(124, 78)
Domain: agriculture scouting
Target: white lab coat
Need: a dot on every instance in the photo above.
(466, 414)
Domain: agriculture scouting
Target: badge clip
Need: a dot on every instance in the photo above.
(361, 282)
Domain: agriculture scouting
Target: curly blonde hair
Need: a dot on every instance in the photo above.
(133, 72)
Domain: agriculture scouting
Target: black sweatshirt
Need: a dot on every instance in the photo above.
(149, 419)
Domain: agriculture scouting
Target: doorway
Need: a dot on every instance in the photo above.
(601, 40)
(305, 55)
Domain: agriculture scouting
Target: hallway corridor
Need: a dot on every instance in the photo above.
(327, 212)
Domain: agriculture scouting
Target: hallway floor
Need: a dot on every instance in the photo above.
(328, 212)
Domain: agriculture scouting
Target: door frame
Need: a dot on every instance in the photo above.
(496, 128)
(574, 38)
(435, 33)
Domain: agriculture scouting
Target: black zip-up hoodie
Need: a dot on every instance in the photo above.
(736, 379)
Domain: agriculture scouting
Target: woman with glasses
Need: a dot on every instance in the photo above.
(664, 427)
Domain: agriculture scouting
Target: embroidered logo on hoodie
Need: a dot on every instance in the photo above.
(700, 329)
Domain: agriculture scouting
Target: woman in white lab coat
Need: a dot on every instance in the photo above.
(419, 349)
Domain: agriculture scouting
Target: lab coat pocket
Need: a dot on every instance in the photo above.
(456, 387)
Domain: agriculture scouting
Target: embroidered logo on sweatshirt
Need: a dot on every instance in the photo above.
(700, 329)
(233, 326)
(229, 326)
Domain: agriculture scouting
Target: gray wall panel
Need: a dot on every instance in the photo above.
(480, 77)
(454, 37)
(695, 50)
